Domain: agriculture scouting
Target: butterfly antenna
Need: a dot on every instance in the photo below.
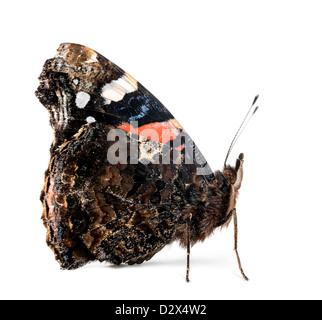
(243, 125)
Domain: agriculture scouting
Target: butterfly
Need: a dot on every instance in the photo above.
(124, 178)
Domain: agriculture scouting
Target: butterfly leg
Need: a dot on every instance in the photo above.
(188, 246)
(235, 248)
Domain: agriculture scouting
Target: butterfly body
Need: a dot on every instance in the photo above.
(95, 208)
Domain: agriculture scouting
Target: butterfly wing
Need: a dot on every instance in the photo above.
(97, 210)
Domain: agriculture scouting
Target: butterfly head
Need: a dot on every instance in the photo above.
(229, 182)
(234, 175)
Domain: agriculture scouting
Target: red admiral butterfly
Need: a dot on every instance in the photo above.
(124, 179)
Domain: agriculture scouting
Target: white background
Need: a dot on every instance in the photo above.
(205, 60)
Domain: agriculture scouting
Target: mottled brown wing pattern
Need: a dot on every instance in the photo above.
(118, 213)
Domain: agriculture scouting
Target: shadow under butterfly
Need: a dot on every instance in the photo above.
(124, 178)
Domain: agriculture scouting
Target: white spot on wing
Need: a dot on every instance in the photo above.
(117, 89)
(90, 119)
(82, 99)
